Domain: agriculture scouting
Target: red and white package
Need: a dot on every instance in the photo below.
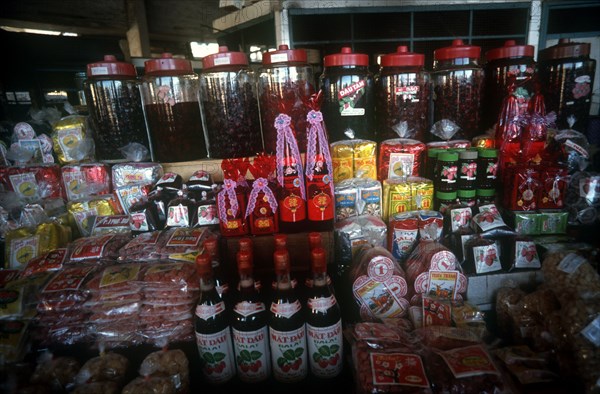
(97, 247)
(66, 289)
(141, 248)
(51, 261)
(85, 180)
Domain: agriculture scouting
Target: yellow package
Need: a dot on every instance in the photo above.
(342, 156)
(354, 159)
(23, 244)
(82, 213)
(68, 133)
(397, 197)
(365, 159)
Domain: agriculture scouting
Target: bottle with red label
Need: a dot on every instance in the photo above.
(213, 335)
(249, 326)
(287, 329)
(211, 246)
(323, 322)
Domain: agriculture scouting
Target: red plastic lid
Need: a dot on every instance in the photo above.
(314, 239)
(244, 260)
(280, 241)
(510, 49)
(224, 58)
(110, 66)
(565, 49)
(346, 58)
(318, 260)
(203, 264)
(166, 64)
(284, 54)
(212, 247)
(245, 244)
(281, 259)
(402, 57)
(457, 50)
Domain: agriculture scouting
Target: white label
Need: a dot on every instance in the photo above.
(75, 184)
(25, 186)
(178, 216)
(286, 310)
(486, 259)
(222, 61)
(69, 139)
(207, 215)
(205, 312)
(571, 262)
(526, 255)
(401, 165)
(99, 70)
(403, 242)
(353, 111)
(216, 355)
(246, 308)
(325, 350)
(279, 57)
(252, 355)
(578, 148)
(460, 218)
(321, 304)
(288, 354)
(138, 222)
(22, 250)
(463, 240)
(592, 331)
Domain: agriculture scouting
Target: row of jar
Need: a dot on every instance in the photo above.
(220, 113)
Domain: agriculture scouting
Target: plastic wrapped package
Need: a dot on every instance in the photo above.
(82, 213)
(25, 243)
(378, 284)
(386, 360)
(66, 290)
(140, 248)
(33, 183)
(51, 261)
(108, 367)
(181, 243)
(526, 365)
(126, 174)
(85, 180)
(529, 317)
(150, 385)
(357, 196)
(21, 296)
(168, 363)
(72, 142)
(97, 247)
(507, 299)
(353, 232)
(58, 373)
(583, 198)
(571, 276)
(354, 159)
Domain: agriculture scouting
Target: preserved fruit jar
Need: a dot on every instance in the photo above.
(348, 102)
(170, 93)
(114, 102)
(458, 82)
(285, 84)
(402, 96)
(567, 72)
(230, 104)
(508, 64)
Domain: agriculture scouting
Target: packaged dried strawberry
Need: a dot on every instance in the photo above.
(141, 248)
(171, 363)
(51, 261)
(66, 290)
(181, 244)
(97, 247)
(171, 276)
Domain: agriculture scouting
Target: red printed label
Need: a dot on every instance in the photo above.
(469, 361)
(436, 312)
(398, 369)
(68, 279)
(320, 199)
(185, 237)
(91, 248)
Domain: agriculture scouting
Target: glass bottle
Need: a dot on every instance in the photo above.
(170, 94)
(213, 335)
(249, 326)
(287, 329)
(323, 322)
(211, 245)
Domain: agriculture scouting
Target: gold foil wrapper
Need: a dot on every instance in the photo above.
(354, 159)
(67, 134)
(83, 213)
(25, 243)
(404, 195)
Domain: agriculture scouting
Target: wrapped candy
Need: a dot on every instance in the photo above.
(125, 174)
(231, 200)
(261, 211)
(354, 159)
(32, 183)
(525, 187)
(72, 144)
(85, 180)
(83, 212)
(400, 158)
(536, 129)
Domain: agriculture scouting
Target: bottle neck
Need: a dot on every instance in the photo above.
(246, 281)
(207, 283)
(284, 281)
(319, 279)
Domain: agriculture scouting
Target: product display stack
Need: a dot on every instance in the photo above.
(394, 231)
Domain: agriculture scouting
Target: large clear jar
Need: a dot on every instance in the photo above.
(170, 93)
(348, 96)
(114, 102)
(567, 77)
(458, 83)
(402, 92)
(285, 84)
(510, 64)
(230, 104)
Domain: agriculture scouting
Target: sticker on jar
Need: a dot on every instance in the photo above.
(279, 57)
(442, 284)
(436, 312)
(178, 216)
(571, 262)
(592, 331)
(486, 259)
(69, 139)
(408, 93)
(22, 250)
(582, 87)
(138, 222)
(526, 255)
(401, 165)
(469, 361)
(25, 186)
(207, 215)
(397, 369)
(349, 96)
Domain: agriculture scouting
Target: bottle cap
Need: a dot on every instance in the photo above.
(281, 258)
(346, 58)
(244, 260)
(280, 241)
(167, 65)
(318, 260)
(314, 239)
(110, 66)
(402, 58)
(565, 49)
(223, 58)
(457, 50)
(212, 247)
(447, 156)
(203, 264)
(467, 154)
(488, 153)
(245, 244)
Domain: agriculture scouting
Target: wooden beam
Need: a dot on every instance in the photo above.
(137, 35)
(98, 31)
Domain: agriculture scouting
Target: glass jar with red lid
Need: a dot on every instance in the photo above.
(402, 96)
(114, 102)
(170, 94)
(230, 104)
(458, 83)
(567, 73)
(285, 84)
(506, 65)
(348, 102)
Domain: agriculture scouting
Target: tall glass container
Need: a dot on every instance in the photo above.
(348, 96)
(402, 91)
(113, 99)
(230, 104)
(170, 93)
(285, 84)
(458, 83)
(567, 73)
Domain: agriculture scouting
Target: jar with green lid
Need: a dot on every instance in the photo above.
(486, 196)
(467, 170)
(443, 200)
(467, 197)
(446, 172)
(487, 166)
